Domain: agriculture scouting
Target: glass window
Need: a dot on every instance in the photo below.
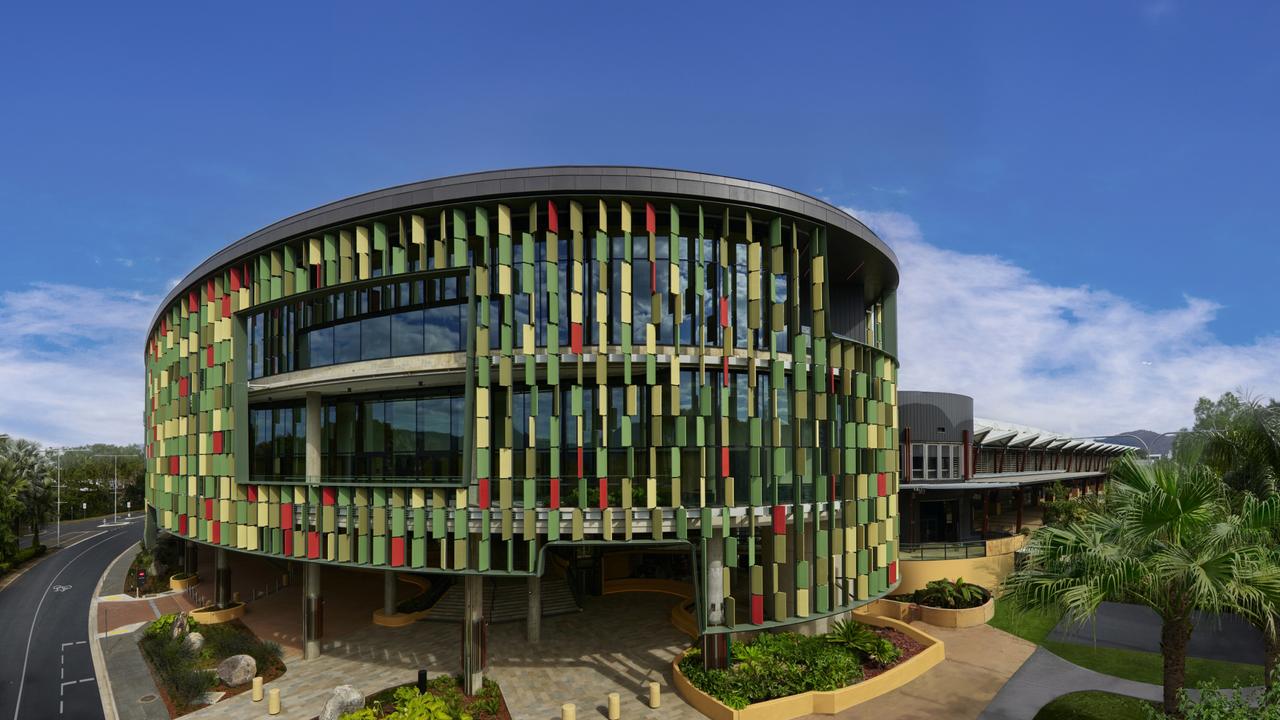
(375, 337)
(407, 333)
(346, 343)
(917, 461)
(442, 329)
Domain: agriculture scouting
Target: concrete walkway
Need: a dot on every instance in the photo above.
(979, 661)
(1046, 676)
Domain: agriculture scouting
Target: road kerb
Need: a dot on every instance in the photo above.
(95, 643)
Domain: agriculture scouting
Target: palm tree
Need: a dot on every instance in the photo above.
(30, 467)
(1167, 539)
(1246, 452)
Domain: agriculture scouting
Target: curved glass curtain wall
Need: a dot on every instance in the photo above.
(414, 317)
(415, 437)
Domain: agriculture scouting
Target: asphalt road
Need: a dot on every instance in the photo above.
(72, 530)
(45, 667)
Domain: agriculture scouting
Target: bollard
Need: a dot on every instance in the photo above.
(257, 689)
(422, 680)
(568, 711)
(615, 706)
(235, 597)
(273, 702)
(655, 694)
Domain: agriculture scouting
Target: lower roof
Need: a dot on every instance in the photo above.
(1004, 480)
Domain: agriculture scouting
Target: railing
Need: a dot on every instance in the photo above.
(943, 551)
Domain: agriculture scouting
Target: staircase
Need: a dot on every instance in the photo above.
(506, 600)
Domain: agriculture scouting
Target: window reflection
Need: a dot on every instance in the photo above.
(406, 318)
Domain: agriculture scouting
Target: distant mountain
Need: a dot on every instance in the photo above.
(1157, 444)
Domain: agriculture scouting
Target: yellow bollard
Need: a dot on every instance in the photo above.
(655, 694)
(257, 689)
(235, 597)
(273, 702)
(568, 711)
(615, 707)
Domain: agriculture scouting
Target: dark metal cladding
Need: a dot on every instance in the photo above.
(935, 416)
(855, 248)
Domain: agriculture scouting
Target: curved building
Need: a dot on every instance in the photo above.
(468, 375)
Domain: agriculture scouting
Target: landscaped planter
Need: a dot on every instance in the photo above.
(178, 584)
(938, 617)
(212, 615)
(825, 703)
(966, 617)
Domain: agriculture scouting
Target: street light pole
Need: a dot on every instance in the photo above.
(115, 483)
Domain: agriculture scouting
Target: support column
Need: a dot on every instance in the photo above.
(533, 619)
(221, 578)
(312, 467)
(473, 640)
(714, 647)
(149, 528)
(986, 513)
(190, 557)
(312, 611)
(1018, 527)
(389, 593)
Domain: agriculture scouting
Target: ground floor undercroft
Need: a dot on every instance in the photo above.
(618, 641)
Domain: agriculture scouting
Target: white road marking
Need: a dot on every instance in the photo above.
(17, 707)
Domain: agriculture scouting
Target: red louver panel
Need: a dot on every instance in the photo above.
(757, 609)
(173, 464)
(288, 542)
(397, 552)
(650, 218)
(313, 545)
(779, 519)
(483, 492)
(235, 279)
(575, 338)
(893, 572)
(880, 484)
(604, 493)
(555, 493)
(724, 462)
(226, 306)
(252, 492)
(217, 445)
(328, 496)
(208, 509)
(216, 532)
(553, 217)
(208, 356)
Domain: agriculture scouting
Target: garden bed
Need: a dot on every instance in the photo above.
(444, 694)
(786, 675)
(183, 677)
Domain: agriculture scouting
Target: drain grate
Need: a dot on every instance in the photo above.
(148, 698)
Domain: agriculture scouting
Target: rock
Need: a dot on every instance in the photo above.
(180, 625)
(193, 642)
(342, 700)
(237, 670)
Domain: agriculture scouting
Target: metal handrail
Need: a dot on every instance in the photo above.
(943, 550)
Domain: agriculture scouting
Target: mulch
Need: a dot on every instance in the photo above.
(910, 648)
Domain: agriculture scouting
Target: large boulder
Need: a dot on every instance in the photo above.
(193, 642)
(342, 700)
(237, 670)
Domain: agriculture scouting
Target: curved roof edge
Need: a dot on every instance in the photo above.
(548, 180)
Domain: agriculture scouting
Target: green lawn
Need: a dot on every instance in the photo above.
(1034, 626)
(1094, 705)
(1146, 666)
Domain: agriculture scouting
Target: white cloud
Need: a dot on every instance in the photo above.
(1070, 359)
(71, 363)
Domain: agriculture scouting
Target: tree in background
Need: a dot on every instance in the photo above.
(1244, 448)
(1167, 538)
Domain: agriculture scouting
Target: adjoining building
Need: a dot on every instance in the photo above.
(475, 375)
(968, 483)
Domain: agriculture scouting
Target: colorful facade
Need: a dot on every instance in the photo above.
(456, 375)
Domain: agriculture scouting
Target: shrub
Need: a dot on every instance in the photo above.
(174, 664)
(950, 595)
(866, 642)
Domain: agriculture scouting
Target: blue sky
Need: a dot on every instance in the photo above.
(1115, 162)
